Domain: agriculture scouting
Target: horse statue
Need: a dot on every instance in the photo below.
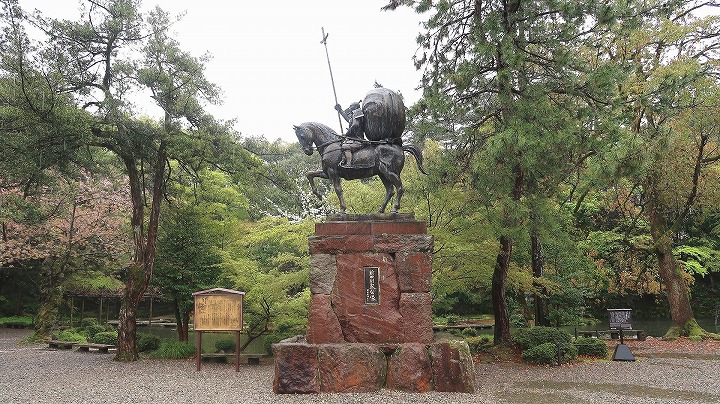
(384, 158)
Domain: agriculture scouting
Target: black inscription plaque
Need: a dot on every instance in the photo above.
(620, 319)
(372, 287)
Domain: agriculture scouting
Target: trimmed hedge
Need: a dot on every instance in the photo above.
(147, 342)
(527, 338)
(225, 345)
(106, 337)
(591, 347)
(547, 353)
(69, 335)
(481, 343)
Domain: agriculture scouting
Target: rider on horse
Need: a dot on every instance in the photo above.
(354, 116)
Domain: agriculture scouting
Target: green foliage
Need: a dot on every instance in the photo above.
(173, 349)
(269, 262)
(225, 345)
(480, 343)
(274, 338)
(92, 330)
(69, 335)
(106, 337)
(88, 321)
(469, 332)
(531, 337)
(147, 342)
(547, 354)
(591, 347)
(16, 320)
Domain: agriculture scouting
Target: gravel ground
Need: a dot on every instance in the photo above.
(36, 374)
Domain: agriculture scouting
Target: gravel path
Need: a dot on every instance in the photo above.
(36, 374)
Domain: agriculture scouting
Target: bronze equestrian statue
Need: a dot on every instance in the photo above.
(380, 118)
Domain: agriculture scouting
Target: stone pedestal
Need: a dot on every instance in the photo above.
(370, 319)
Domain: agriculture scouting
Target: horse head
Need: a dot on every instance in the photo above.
(304, 138)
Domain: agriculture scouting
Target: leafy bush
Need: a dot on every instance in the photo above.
(547, 353)
(469, 332)
(91, 330)
(591, 347)
(106, 337)
(534, 336)
(16, 320)
(452, 319)
(173, 349)
(69, 335)
(147, 342)
(481, 343)
(89, 322)
(225, 345)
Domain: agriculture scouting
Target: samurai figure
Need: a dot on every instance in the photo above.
(354, 116)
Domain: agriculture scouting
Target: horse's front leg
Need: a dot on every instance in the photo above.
(311, 178)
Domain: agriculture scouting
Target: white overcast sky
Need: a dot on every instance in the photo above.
(270, 64)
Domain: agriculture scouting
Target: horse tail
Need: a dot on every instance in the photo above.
(417, 154)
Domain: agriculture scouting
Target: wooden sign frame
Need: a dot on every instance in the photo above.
(218, 309)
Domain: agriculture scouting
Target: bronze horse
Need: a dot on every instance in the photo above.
(384, 159)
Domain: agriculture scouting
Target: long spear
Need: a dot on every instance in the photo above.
(332, 80)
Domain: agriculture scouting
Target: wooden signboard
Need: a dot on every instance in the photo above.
(218, 309)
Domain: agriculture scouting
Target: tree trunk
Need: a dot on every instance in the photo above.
(140, 271)
(51, 294)
(538, 267)
(681, 314)
(500, 311)
(182, 319)
(127, 329)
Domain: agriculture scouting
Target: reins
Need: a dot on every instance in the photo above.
(364, 141)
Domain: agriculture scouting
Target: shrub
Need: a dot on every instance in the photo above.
(481, 343)
(452, 319)
(147, 342)
(534, 336)
(16, 321)
(591, 347)
(88, 322)
(469, 332)
(173, 349)
(69, 335)
(225, 345)
(91, 330)
(106, 337)
(547, 353)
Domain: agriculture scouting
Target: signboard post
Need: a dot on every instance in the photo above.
(621, 319)
(218, 309)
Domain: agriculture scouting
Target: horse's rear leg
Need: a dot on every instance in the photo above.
(338, 191)
(388, 193)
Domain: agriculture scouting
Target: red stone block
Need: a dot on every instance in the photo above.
(296, 368)
(416, 311)
(414, 271)
(399, 228)
(360, 322)
(452, 366)
(351, 368)
(409, 369)
(323, 325)
(339, 244)
(402, 243)
(342, 228)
